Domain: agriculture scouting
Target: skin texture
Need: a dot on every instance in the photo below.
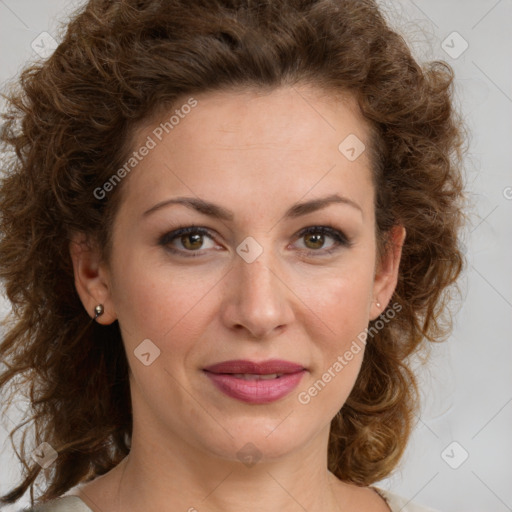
(257, 154)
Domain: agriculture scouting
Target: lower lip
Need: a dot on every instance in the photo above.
(256, 391)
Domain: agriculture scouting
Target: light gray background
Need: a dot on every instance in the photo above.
(467, 388)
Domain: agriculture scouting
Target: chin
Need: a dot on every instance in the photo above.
(260, 439)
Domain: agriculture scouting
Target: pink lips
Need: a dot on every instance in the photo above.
(256, 383)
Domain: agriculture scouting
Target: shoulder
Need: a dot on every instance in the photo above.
(74, 504)
(400, 504)
(62, 504)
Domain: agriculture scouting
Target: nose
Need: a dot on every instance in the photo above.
(258, 298)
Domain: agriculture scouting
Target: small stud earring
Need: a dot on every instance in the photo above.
(98, 310)
(378, 304)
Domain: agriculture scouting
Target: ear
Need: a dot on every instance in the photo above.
(386, 275)
(92, 280)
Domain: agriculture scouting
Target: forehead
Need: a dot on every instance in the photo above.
(259, 114)
(288, 140)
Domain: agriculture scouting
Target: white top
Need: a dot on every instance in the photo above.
(398, 503)
(74, 504)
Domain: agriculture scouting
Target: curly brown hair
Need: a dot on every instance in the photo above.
(69, 126)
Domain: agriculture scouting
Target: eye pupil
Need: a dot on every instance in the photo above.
(197, 241)
(316, 239)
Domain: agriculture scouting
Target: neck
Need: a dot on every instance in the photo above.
(184, 478)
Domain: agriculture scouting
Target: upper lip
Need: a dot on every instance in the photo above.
(257, 368)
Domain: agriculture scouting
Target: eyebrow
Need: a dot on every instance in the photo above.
(218, 212)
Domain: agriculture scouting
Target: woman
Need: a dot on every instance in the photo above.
(226, 227)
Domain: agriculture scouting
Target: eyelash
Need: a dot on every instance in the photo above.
(340, 239)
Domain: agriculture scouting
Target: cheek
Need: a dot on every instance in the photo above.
(341, 300)
(153, 302)
(342, 303)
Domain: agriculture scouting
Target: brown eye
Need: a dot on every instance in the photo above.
(314, 240)
(189, 241)
(192, 241)
(322, 240)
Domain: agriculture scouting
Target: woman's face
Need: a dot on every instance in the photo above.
(251, 172)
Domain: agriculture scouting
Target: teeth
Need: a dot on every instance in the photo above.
(253, 376)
